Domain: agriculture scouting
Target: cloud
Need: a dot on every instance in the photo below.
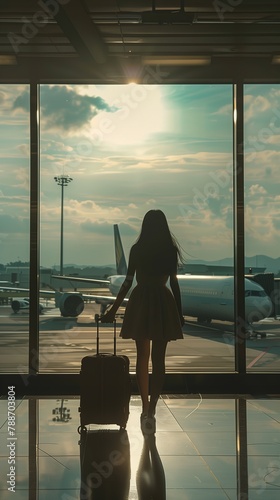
(172, 163)
(127, 229)
(262, 222)
(104, 228)
(208, 233)
(95, 227)
(224, 110)
(216, 205)
(2, 97)
(257, 189)
(12, 224)
(24, 149)
(273, 139)
(262, 164)
(15, 200)
(22, 101)
(55, 147)
(63, 108)
(255, 105)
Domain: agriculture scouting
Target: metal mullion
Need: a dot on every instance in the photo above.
(34, 274)
(238, 174)
(241, 448)
(33, 419)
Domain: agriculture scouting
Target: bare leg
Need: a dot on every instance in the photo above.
(158, 373)
(142, 371)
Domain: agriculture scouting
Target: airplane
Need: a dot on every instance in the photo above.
(203, 297)
(19, 304)
(71, 304)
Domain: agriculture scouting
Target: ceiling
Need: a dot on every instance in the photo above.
(115, 41)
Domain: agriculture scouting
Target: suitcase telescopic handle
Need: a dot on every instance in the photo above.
(98, 320)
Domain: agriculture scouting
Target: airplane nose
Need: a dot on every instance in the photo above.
(260, 309)
(268, 306)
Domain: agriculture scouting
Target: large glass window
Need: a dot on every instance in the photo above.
(262, 208)
(109, 153)
(14, 227)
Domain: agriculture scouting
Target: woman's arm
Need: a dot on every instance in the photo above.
(177, 295)
(109, 316)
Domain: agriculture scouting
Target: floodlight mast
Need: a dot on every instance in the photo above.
(63, 181)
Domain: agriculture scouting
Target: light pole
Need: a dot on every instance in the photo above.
(62, 414)
(62, 180)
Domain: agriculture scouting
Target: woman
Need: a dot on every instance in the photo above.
(153, 312)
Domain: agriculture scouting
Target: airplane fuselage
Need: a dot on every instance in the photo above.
(212, 297)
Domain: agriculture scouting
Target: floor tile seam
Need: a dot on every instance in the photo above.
(173, 416)
(226, 413)
(208, 467)
(200, 401)
(18, 433)
(19, 489)
(221, 487)
(193, 488)
(209, 431)
(56, 489)
(250, 455)
(196, 448)
(48, 455)
(17, 456)
(255, 490)
(206, 455)
(224, 455)
(263, 444)
(262, 411)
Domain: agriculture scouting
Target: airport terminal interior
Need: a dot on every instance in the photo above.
(202, 446)
(109, 110)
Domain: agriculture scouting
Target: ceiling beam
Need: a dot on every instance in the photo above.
(82, 33)
(73, 70)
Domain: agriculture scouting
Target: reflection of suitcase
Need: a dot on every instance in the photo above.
(105, 465)
(105, 387)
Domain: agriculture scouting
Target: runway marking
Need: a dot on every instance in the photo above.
(254, 361)
(8, 332)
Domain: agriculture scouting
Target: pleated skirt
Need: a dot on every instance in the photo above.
(151, 313)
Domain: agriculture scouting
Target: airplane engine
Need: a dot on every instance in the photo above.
(71, 304)
(16, 305)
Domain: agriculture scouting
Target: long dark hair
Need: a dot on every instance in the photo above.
(157, 249)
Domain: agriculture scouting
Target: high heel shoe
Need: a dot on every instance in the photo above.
(148, 424)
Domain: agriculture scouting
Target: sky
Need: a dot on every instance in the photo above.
(131, 148)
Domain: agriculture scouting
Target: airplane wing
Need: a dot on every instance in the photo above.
(53, 293)
(43, 293)
(102, 299)
(83, 280)
(98, 299)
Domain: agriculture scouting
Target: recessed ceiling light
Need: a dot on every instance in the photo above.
(276, 59)
(7, 60)
(177, 60)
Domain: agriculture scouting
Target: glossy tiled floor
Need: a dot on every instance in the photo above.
(192, 457)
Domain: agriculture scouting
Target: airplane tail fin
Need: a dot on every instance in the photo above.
(120, 257)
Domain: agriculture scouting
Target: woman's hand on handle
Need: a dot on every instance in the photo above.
(108, 317)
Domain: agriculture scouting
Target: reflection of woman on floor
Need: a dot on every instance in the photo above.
(153, 312)
(150, 476)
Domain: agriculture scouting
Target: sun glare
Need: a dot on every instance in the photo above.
(139, 114)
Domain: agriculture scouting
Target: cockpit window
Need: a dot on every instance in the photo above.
(255, 293)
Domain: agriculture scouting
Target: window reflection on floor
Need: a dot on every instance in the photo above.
(193, 455)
